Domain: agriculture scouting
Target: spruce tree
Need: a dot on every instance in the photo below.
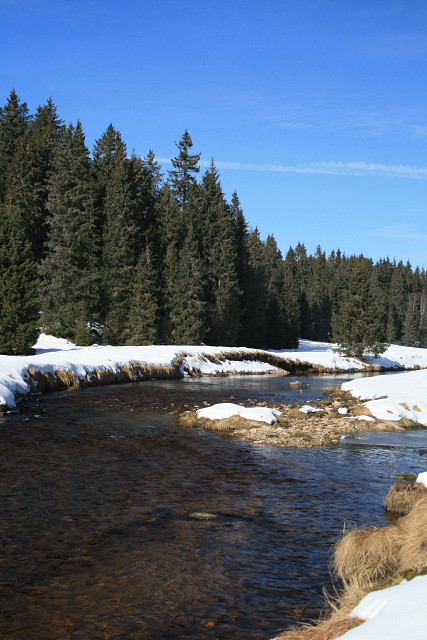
(186, 296)
(255, 300)
(290, 302)
(359, 327)
(121, 237)
(141, 329)
(14, 121)
(28, 187)
(182, 176)
(70, 271)
(19, 317)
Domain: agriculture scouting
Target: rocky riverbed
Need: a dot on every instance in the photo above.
(311, 425)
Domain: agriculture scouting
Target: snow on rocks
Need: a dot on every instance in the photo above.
(226, 410)
(306, 408)
(395, 613)
(387, 397)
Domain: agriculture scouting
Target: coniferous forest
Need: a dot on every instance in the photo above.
(104, 247)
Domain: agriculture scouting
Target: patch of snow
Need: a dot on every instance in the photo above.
(422, 478)
(396, 613)
(366, 418)
(403, 395)
(228, 410)
(343, 411)
(306, 408)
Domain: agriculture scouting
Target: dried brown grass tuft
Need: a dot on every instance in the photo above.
(367, 555)
(297, 414)
(189, 420)
(403, 495)
(413, 537)
(330, 629)
(361, 410)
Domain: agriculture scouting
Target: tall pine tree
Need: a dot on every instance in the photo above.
(71, 295)
(19, 317)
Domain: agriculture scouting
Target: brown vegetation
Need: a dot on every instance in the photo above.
(403, 495)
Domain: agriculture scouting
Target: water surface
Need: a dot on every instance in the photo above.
(96, 492)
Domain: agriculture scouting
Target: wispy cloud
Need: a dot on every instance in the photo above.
(420, 131)
(363, 169)
(403, 232)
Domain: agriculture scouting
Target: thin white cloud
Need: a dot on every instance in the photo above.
(403, 232)
(363, 169)
(420, 131)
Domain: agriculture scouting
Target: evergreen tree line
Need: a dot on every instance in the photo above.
(102, 247)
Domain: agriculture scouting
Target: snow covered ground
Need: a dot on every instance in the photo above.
(53, 354)
(402, 395)
(321, 353)
(396, 613)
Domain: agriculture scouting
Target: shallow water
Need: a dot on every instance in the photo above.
(96, 492)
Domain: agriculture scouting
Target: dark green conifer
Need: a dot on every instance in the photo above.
(19, 317)
(14, 120)
(182, 176)
(143, 306)
(70, 271)
(186, 296)
(255, 301)
(120, 249)
(358, 326)
(28, 187)
(290, 302)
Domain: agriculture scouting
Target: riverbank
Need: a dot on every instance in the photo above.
(384, 578)
(59, 364)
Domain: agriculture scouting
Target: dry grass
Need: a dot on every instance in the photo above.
(190, 420)
(367, 555)
(410, 424)
(413, 537)
(329, 629)
(361, 410)
(403, 495)
(297, 414)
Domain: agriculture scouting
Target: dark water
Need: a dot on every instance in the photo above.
(95, 534)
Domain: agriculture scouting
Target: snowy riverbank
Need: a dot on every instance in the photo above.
(59, 361)
(403, 395)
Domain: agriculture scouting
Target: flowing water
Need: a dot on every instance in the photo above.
(97, 541)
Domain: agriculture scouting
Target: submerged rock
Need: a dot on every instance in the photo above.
(202, 515)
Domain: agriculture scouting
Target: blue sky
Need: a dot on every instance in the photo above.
(315, 112)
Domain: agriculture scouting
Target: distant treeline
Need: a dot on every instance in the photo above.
(103, 247)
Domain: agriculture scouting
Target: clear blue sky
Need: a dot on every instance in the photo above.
(314, 111)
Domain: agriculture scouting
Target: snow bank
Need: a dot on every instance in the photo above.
(403, 395)
(321, 353)
(396, 613)
(54, 354)
(228, 410)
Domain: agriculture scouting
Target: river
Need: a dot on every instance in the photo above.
(97, 488)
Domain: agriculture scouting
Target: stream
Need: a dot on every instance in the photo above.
(97, 486)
